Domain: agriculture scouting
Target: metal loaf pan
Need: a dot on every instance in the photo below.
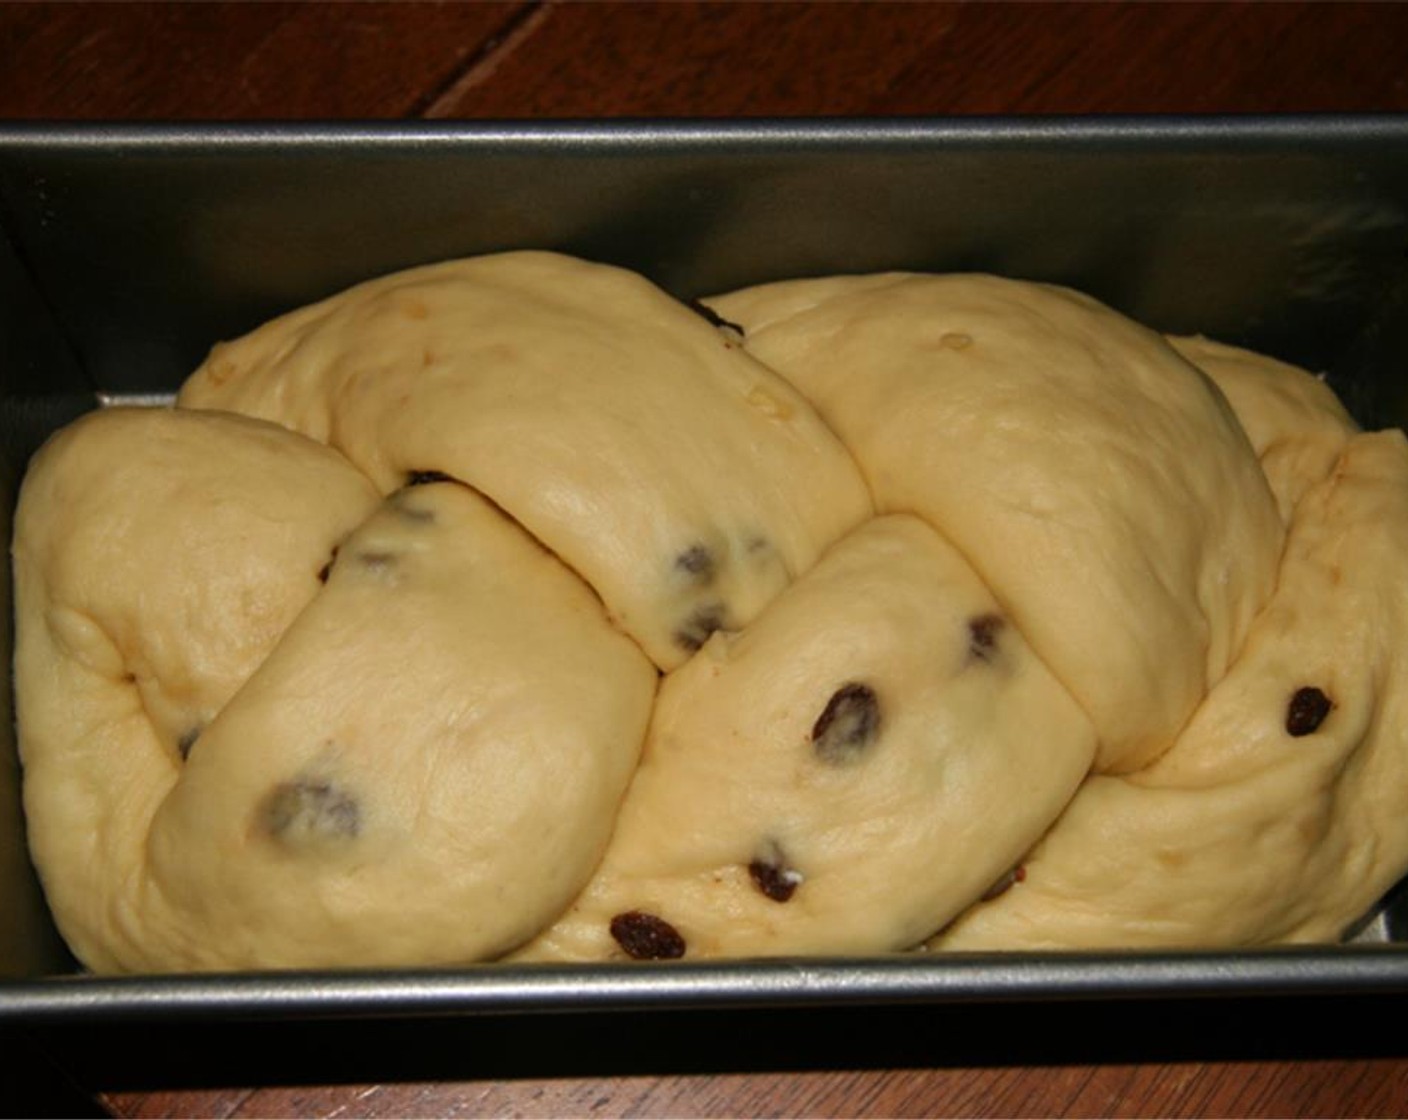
(126, 251)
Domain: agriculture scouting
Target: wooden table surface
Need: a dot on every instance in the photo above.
(543, 59)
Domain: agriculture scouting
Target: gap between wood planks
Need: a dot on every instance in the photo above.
(444, 100)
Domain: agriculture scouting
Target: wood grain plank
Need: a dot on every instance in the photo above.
(1252, 1089)
(711, 59)
(653, 59)
(219, 1104)
(223, 61)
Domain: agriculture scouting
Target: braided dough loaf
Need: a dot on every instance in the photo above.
(528, 614)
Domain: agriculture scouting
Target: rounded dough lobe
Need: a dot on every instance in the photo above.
(1277, 816)
(178, 531)
(423, 768)
(683, 480)
(1096, 481)
(158, 557)
(426, 768)
(1294, 421)
(844, 776)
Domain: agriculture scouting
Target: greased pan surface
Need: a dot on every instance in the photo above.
(127, 250)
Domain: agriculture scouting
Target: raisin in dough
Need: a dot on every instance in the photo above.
(1296, 424)
(1095, 480)
(843, 776)
(418, 764)
(1278, 814)
(683, 480)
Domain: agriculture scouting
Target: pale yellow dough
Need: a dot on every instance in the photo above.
(1096, 481)
(1296, 424)
(1244, 834)
(683, 480)
(422, 765)
(903, 807)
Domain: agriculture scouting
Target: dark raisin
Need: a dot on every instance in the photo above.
(187, 741)
(982, 636)
(1307, 711)
(646, 937)
(1018, 874)
(425, 478)
(712, 317)
(326, 569)
(773, 877)
(309, 809)
(698, 562)
(847, 725)
(698, 626)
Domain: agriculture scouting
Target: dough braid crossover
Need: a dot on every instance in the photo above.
(511, 609)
